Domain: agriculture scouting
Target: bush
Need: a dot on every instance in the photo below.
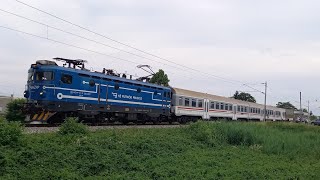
(2, 120)
(235, 133)
(71, 126)
(14, 110)
(202, 132)
(10, 133)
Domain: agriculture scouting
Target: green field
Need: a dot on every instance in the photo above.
(199, 151)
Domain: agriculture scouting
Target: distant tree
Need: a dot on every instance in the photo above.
(313, 117)
(244, 97)
(14, 110)
(160, 78)
(286, 105)
(305, 110)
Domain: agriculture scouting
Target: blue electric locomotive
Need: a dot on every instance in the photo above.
(54, 92)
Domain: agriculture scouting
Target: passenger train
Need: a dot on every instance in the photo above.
(55, 92)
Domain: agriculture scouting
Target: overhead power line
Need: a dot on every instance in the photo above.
(60, 42)
(79, 36)
(74, 46)
(85, 38)
(124, 44)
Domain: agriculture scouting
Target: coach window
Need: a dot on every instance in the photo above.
(212, 105)
(194, 103)
(217, 105)
(226, 107)
(239, 110)
(44, 76)
(200, 103)
(67, 79)
(180, 101)
(230, 107)
(186, 102)
(222, 106)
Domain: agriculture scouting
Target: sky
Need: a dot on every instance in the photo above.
(224, 43)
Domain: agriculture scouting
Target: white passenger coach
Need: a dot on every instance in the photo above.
(190, 105)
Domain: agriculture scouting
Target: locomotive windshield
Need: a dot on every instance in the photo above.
(44, 76)
(30, 76)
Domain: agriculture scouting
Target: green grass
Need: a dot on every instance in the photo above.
(200, 151)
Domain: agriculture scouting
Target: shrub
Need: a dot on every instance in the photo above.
(2, 120)
(203, 132)
(10, 133)
(235, 133)
(14, 110)
(71, 126)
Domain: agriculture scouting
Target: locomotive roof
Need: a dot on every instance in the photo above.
(101, 75)
(195, 94)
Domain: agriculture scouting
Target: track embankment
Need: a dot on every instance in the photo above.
(50, 129)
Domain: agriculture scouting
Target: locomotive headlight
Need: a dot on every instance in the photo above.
(42, 94)
(26, 94)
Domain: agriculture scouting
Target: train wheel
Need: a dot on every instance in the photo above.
(182, 120)
(143, 121)
(125, 121)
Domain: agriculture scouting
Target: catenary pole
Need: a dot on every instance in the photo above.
(265, 101)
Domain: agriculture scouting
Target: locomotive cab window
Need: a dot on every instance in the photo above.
(67, 79)
(30, 76)
(44, 76)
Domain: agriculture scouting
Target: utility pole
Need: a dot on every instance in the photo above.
(301, 115)
(265, 101)
(309, 110)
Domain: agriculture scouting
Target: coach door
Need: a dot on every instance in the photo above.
(206, 109)
(234, 112)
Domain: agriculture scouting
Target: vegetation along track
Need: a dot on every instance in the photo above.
(44, 128)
